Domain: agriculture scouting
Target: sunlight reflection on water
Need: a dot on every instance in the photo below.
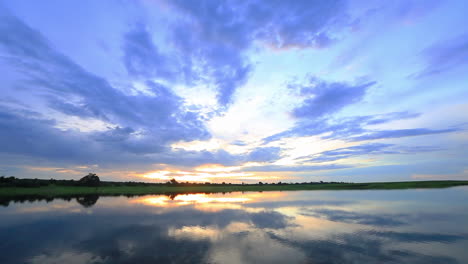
(402, 226)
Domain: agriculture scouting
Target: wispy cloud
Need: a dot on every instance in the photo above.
(364, 150)
(445, 56)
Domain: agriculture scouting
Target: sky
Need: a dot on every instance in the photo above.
(234, 91)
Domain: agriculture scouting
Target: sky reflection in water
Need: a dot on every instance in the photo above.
(404, 226)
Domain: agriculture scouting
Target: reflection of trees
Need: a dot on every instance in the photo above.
(4, 202)
(87, 200)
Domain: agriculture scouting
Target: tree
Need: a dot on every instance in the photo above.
(90, 180)
(173, 181)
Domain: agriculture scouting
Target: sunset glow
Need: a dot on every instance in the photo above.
(183, 176)
(234, 91)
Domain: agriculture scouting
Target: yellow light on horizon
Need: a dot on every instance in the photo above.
(209, 173)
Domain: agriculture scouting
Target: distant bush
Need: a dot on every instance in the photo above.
(15, 182)
(89, 180)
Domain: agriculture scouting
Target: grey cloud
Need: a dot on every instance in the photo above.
(142, 58)
(366, 149)
(302, 128)
(265, 154)
(212, 37)
(324, 98)
(385, 118)
(23, 135)
(145, 124)
(298, 168)
(29, 134)
(299, 23)
(354, 128)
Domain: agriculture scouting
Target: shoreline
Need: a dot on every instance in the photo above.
(51, 190)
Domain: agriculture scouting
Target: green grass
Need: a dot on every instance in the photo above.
(50, 191)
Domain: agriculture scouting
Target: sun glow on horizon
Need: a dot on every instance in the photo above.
(208, 173)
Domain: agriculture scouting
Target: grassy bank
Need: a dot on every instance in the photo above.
(51, 190)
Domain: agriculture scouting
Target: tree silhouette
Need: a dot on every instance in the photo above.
(173, 181)
(90, 180)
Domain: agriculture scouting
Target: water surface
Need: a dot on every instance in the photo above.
(401, 226)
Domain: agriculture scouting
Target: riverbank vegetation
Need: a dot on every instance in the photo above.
(11, 186)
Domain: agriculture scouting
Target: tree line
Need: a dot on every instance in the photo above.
(92, 180)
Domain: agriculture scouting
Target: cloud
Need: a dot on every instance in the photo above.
(265, 154)
(342, 153)
(316, 127)
(239, 143)
(388, 117)
(143, 59)
(73, 90)
(365, 149)
(29, 134)
(32, 135)
(142, 124)
(298, 168)
(324, 98)
(24, 135)
(139, 105)
(211, 38)
(445, 56)
(282, 25)
(354, 128)
(398, 133)
(339, 128)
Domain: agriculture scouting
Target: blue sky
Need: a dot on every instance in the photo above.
(234, 91)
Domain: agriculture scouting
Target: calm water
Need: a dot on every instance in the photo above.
(404, 226)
